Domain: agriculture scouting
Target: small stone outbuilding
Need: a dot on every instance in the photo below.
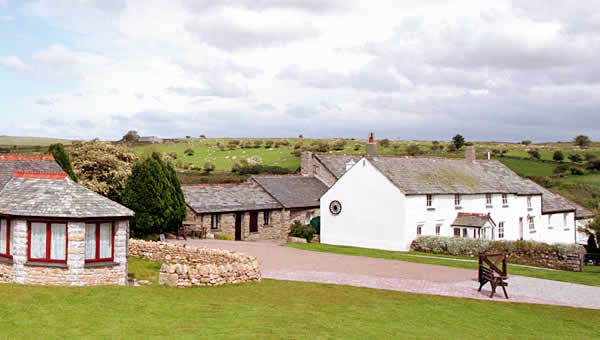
(54, 231)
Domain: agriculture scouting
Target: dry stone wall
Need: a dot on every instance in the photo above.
(188, 266)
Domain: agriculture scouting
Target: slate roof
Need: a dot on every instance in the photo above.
(337, 163)
(420, 175)
(227, 198)
(471, 220)
(41, 189)
(293, 191)
(553, 203)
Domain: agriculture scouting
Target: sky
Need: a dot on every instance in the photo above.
(489, 70)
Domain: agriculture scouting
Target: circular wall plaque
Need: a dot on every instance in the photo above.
(335, 207)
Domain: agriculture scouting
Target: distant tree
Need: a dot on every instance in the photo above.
(384, 143)
(451, 148)
(130, 137)
(154, 193)
(458, 141)
(576, 171)
(526, 142)
(592, 246)
(339, 145)
(103, 167)
(534, 154)
(209, 167)
(413, 150)
(300, 136)
(558, 156)
(590, 156)
(594, 165)
(202, 136)
(575, 157)
(62, 158)
(561, 169)
(582, 140)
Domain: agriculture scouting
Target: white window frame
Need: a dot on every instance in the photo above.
(505, 199)
(214, 221)
(429, 200)
(529, 203)
(488, 199)
(457, 200)
(531, 222)
(419, 229)
(307, 218)
(501, 229)
(565, 218)
(438, 229)
(267, 217)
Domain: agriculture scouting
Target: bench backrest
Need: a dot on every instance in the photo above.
(492, 262)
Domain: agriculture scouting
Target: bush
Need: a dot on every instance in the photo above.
(356, 147)
(526, 142)
(260, 169)
(435, 145)
(188, 152)
(582, 140)
(469, 144)
(590, 156)
(534, 154)
(257, 143)
(576, 171)
(62, 158)
(451, 148)
(234, 142)
(594, 165)
(384, 143)
(413, 150)
(246, 144)
(297, 153)
(254, 160)
(268, 144)
(575, 157)
(320, 147)
(209, 167)
(558, 156)
(298, 145)
(224, 237)
(458, 141)
(561, 169)
(339, 145)
(284, 142)
(302, 230)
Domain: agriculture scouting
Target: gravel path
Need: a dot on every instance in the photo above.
(285, 263)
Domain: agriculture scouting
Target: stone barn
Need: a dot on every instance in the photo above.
(54, 231)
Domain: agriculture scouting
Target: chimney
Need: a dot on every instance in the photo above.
(306, 163)
(371, 146)
(470, 153)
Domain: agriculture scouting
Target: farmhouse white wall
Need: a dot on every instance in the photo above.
(372, 211)
(376, 214)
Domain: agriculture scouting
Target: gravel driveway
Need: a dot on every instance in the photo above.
(285, 263)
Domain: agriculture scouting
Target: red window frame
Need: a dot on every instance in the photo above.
(48, 241)
(8, 254)
(112, 243)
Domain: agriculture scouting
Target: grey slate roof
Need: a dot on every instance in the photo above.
(337, 163)
(228, 198)
(471, 220)
(415, 175)
(553, 202)
(293, 191)
(56, 198)
(7, 168)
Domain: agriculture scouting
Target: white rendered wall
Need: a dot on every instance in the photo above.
(373, 211)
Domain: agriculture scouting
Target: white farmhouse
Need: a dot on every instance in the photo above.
(386, 202)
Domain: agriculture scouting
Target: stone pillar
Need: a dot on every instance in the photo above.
(285, 223)
(19, 229)
(76, 255)
(121, 238)
(371, 149)
(245, 225)
(306, 163)
(470, 153)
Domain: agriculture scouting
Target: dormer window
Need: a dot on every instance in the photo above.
(488, 199)
(565, 219)
(529, 205)
(457, 200)
(504, 199)
(429, 199)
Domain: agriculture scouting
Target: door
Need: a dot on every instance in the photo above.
(238, 227)
(254, 221)
(520, 228)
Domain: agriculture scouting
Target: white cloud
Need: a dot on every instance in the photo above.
(12, 62)
(60, 56)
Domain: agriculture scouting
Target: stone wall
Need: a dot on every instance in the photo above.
(187, 266)
(75, 272)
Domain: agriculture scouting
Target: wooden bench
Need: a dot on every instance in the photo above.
(489, 272)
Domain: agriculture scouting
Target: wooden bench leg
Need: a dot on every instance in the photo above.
(505, 294)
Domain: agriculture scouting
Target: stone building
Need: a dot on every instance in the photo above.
(261, 209)
(53, 231)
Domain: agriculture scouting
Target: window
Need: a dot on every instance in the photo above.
(419, 229)
(529, 203)
(474, 233)
(438, 229)
(6, 239)
(214, 221)
(429, 199)
(565, 219)
(456, 232)
(47, 242)
(99, 240)
(267, 217)
(488, 199)
(307, 218)
(501, 230)
(465, 232)
(457, 200)
(531, 222)
(504, 199)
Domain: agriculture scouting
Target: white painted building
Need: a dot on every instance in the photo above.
(386, 202)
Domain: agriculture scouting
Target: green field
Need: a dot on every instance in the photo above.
(31, 141)
(590, 276)
(525, 167)
(548, 154)
(274, 309)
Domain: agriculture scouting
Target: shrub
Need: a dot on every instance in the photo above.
(320, 147)
(302, 230)
(576, 171)
(284, 142)
(413, 150)
(254, 160)
(384, 143)
(268, 144)
(582, 140)
(558, 156)
(451, 148)
(435, 145)
(188, 152)
(458, 141)
(594, 165)
(297, 153)
(62, 158)
(469, 144)
(246, 144)
(590, 156)
(534, 154)
(575, 157)
(262, 169)
(257, 143)
(234, 142)
(224, 237)
(339, 145)
(209, 167)
(496, 152)
(561, 169)
(298, 145)
(526, 142)
(356, 147)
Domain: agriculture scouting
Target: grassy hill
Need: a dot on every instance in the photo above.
(31, 141)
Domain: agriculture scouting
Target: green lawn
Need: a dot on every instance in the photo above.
(590, 276)
(525, 167)
(274, 309)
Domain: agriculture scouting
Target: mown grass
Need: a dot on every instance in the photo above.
(590, 276)
(274, 309)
